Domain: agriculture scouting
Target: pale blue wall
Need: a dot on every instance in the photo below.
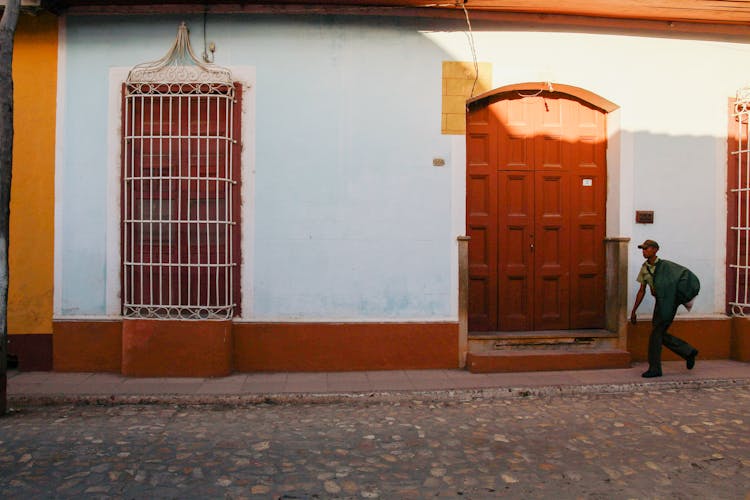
(351, 220)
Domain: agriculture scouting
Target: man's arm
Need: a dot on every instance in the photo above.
(638, 299)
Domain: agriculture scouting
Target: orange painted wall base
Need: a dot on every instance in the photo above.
(174, 348)
(154, 348)
(712, 338)
(150, 348)
(741, 339)
(316, 347)
(87, 346)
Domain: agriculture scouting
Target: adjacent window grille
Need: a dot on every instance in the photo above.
(739, 200)
(180, 181)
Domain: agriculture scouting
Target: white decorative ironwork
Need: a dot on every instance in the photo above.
(740, 303)
(179, 188)
(180, 65)
(742, 101)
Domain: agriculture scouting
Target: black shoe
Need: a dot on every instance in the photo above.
(690, 360)
(651, 373)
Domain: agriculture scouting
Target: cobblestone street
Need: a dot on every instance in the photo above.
(661, 444)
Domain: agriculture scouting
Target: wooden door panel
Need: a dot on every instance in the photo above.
(551, 114)
(586, 153)
(550, 212)
(515, 152)
(478, 188)
(549, 307)
(482, 300)
(551, 251)
(587, 277)
(481, 215)
(514, 310)
(479, 308)
(478, 147)
(515, 229)
(587, 118)
(516, 300)
(479, 253)
(549, 134)
(587, 249)
(588, 193)
(516, 116)
(550, 152)
(515, 136)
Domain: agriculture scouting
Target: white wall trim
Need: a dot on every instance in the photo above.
(720, 225)
(619, 179)
(458, 209)
(59, 161)
(96, 317)
(246, 76)
(114, 139)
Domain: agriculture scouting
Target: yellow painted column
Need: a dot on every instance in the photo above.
(33, 190)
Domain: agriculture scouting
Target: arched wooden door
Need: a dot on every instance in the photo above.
(536, 200)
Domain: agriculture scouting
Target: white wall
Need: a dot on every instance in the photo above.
(349, 218)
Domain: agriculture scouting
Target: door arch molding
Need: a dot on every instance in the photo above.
(530, 87)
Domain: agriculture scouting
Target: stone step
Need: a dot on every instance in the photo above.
(543, 334)
(534, 360)
(557, 339)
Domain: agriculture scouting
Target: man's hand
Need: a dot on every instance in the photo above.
(632, 317)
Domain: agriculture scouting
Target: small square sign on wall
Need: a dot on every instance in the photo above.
(644, 216)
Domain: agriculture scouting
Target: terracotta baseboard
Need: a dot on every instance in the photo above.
(310, 347)
(155, 348)
(741, 339)
(101, 346)
(712, 337)
(175, 348)
(87, 346)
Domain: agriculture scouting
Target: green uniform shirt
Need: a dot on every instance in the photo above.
(646, 275)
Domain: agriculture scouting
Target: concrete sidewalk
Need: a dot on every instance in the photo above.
(34, 388)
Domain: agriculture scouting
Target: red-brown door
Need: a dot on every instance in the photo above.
(536, 189)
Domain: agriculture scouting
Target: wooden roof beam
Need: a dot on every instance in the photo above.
(481, 19)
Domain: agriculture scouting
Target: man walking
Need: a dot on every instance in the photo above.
(672, 285)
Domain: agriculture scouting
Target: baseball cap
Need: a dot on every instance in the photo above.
(649, 243)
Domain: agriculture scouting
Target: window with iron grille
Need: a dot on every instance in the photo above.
(180, 192)
(738, 208)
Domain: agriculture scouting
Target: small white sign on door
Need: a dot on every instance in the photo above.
(588, 182)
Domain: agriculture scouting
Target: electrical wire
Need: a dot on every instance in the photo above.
(472, 46)
(549, 88)
(205, 43)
